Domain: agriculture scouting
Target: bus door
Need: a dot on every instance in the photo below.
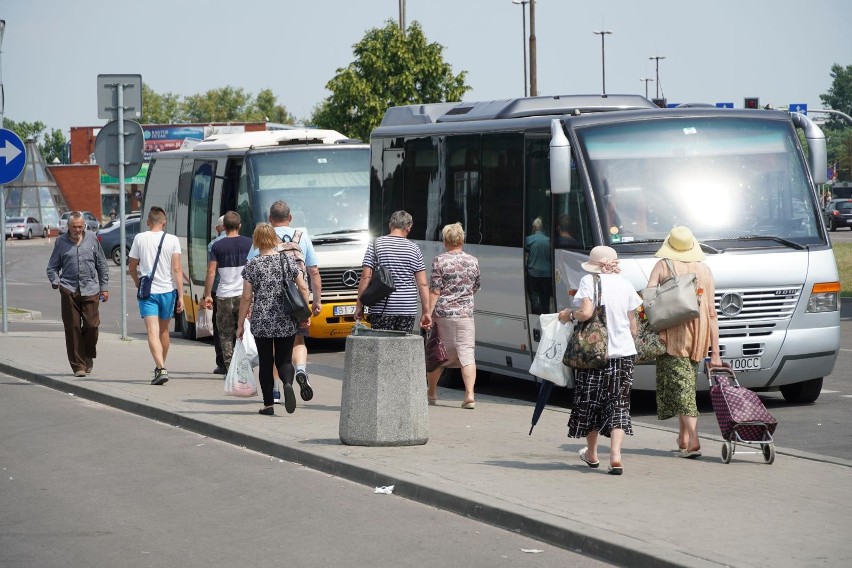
(225, 194)
(200, 228)
(538, 236)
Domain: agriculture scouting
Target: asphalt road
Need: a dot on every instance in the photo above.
(820, 428)
(82, 484)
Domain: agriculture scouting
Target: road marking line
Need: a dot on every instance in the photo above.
(823, 391)
(846, 395)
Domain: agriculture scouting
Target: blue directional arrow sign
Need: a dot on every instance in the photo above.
(724, 105)
(13, 156)
(799, 107)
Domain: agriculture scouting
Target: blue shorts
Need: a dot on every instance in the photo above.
(160, 305)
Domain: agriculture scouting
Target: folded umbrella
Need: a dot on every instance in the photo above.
(543, 396)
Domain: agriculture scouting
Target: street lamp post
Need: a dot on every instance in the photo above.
(646, 79)
(533, 63)
(603, 34)
(657, 58)
(523, 6)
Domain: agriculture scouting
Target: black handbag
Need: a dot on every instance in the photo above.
(381, 284)
(294, 302)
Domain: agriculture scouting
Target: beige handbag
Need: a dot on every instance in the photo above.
(672, 301)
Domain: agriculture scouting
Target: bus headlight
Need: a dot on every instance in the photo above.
(824, 297)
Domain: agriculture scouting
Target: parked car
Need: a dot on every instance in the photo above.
(111, 239)
(24, 227)
(114, 223)
(838, 213)
(92, 222)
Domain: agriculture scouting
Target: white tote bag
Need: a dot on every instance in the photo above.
(249, 344)
(240, 379)
(548, 364)
(204, 323)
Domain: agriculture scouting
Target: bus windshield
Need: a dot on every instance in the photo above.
(726, 179)
(327, 189)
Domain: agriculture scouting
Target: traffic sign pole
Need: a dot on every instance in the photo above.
(121, 208)
(13, 158)
(117, 94)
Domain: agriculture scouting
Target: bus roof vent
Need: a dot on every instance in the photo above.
(269, 138)
(460, 110)
(416, 114)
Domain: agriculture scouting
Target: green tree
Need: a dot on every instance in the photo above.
(839, 95)
(267, 109)
(838, 131)
(228, 104)
(391, 68)
(157, 108)
(50, 144)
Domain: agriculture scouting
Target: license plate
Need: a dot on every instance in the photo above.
(744, 364)
(344, 310)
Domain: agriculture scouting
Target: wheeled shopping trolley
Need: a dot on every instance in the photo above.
(742, 417)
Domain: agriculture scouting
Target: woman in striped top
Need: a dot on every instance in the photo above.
(404, 260)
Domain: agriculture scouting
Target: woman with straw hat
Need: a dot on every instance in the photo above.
(686, 343)
(602, 396)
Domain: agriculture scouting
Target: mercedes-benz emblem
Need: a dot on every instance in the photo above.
(731, 304)
(350, 278)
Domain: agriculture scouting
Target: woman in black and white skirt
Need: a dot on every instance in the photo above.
(602, 396)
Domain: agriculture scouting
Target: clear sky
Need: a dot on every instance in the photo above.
(715, 51)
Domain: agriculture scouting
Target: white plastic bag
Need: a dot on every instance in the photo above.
(249, 344)
(204, 323)
(548, 364)
(240, 379)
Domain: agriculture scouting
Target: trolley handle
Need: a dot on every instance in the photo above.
(719, 371)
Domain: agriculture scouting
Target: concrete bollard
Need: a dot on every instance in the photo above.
(383, 401)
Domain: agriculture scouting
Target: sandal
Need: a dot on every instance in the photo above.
(591, 464)
(432, 401)
(690, 454)
(469, 405)
(616, 469)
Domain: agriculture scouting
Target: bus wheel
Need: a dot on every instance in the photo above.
(186, 329)
(451, 379)
(807, 391)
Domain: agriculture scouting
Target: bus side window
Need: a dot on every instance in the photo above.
(502, 189)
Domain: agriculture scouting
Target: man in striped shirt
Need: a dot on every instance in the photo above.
(227, 258)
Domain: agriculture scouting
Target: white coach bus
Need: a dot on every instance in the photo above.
(321, 174)
(618, 171)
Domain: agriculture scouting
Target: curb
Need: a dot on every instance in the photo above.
(22, 315)
(584, 539)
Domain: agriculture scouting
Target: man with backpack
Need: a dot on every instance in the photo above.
(296, 243)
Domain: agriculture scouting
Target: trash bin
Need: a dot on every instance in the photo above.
(383, 401)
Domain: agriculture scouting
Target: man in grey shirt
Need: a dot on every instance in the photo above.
(78, 269)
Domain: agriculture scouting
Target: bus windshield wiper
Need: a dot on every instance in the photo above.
(341, 232)
(782, 240)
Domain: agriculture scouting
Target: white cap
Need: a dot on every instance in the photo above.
(221, 222)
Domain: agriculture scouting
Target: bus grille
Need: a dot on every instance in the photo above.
(340, 283)
(754, 313)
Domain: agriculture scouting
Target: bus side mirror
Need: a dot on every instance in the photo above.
(560, 159)
(817, 153)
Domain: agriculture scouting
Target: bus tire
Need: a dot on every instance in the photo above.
(451, 379)
(187, 330)
(804, 392)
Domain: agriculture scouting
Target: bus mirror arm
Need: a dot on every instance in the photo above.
(223, 178)
(560, 159)
(817, 154)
